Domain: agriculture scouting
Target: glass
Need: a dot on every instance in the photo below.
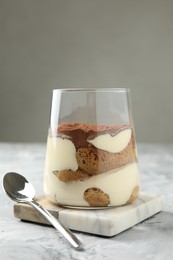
(91, 158)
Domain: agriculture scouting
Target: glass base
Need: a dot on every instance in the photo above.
(87, 207)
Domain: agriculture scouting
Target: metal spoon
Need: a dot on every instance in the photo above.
(20, 190)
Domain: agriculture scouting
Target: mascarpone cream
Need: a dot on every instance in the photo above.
(112, 144)
(61, 154)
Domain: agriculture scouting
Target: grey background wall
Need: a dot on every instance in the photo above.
(46, 44)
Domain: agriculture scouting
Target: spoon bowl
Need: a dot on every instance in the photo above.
(20, 190)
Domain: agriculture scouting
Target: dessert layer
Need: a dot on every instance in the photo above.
(91, 165)
(81, 134)
(61, 153)
(118, 185)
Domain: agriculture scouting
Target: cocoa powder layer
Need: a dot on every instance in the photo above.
(80, 133)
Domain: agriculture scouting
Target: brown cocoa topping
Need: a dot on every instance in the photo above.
(80, 133)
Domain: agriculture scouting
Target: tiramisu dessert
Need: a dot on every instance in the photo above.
(91, 165)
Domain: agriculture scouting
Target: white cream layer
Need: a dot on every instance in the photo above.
(61, 154)
(112, 144)
(117, 184)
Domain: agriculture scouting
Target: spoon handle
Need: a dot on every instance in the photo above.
(72, 239)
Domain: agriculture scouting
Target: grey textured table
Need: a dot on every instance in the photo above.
(152, 239)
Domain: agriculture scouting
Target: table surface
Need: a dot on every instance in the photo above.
(151, 239)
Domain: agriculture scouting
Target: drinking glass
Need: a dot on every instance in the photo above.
(91, 159)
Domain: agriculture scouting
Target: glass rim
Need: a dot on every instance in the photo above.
(125, 90)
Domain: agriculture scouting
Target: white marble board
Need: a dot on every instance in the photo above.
(104, 222)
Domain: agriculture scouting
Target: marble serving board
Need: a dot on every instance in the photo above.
(104, 222)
